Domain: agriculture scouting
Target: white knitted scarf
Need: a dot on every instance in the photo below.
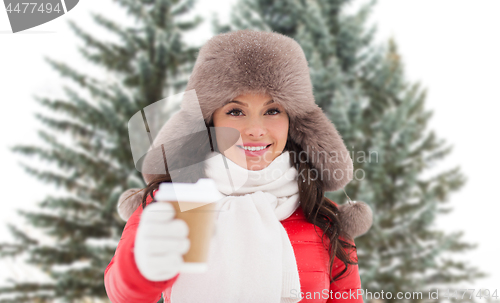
(251, 258)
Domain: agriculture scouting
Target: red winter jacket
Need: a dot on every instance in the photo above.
(125, 284)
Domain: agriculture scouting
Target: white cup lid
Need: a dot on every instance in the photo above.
(203, 191)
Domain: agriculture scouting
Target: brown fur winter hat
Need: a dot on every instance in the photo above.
(247, 61)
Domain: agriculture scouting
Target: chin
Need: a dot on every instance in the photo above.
(260, 166)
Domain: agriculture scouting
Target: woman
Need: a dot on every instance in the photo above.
(267, 247)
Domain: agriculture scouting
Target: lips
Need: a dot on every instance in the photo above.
(255, 153)
(254, 145)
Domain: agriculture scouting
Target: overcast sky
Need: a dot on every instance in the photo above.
(450, 47)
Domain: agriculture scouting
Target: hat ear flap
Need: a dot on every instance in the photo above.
(356, 218)
(128, 202)
(324, 146)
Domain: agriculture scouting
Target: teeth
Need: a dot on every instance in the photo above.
(254, 148)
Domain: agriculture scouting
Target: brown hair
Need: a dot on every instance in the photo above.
(317, 209)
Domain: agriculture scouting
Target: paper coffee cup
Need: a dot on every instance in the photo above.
(194, 203)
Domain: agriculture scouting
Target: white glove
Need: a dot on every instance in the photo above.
(160, 242)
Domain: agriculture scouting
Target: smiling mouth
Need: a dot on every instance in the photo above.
(241, 147)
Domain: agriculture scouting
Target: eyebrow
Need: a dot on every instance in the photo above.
(244, 104)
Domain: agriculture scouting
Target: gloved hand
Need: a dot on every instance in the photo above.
(160, 242)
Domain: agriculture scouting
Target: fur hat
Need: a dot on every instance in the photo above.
(232, 64)
(248, 61)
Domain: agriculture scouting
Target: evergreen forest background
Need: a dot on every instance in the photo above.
(82, 150)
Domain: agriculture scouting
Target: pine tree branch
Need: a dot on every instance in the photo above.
(70, 203)
(29, 292)
(190, 25)
(114, 57)
(68, 159)
(65, 71)
(24, 243)
(182, 7)
(68, 182)
(92, 84)
(63, 226)
(78, 130)
(84, 118)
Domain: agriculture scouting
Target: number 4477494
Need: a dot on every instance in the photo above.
(41, 8)
(461, 293)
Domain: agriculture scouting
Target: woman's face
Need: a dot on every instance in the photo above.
(261, 123)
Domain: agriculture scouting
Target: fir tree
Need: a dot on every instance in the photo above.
(149, 63)
(381, 117)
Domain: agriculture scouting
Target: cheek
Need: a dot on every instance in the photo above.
(280, 130)
(228, 123)
(217, 118)
(221, 120)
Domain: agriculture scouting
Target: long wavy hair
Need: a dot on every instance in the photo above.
(317, 209)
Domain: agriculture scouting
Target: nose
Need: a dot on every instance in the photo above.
(255, 128)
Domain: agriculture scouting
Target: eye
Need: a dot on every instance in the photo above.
(234, 110)
(274, 110)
